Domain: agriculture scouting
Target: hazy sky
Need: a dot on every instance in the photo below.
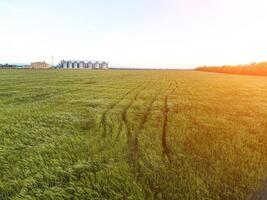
(135, 33)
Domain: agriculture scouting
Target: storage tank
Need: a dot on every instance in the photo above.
(81, 65)
(97, 65)
(65, 64)
(104, 65)
(75, 65)
(90, 65)
(70, 64)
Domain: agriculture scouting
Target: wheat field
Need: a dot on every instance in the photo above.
(125, 134)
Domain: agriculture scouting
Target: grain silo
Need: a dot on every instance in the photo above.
(65, 65)
(97, 65)
(104, 65)
(75, 65)
(90, 65)
(70, 64)
(81, 65)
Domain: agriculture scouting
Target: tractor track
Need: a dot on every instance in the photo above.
(104, 122)
(140, 130)
(125, 111)
(146, 115)
(125, 122)
(165, 148)
(148, 111)
(132, 138)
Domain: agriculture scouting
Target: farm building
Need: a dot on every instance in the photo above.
(74, 64)
(8, 66)
(40, 65)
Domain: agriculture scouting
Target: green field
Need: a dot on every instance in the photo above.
(131, 135)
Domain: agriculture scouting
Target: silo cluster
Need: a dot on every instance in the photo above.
(74, 64)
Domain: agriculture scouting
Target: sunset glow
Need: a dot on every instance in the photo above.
(140, 33)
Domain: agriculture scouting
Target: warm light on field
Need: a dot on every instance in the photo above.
(151, 134)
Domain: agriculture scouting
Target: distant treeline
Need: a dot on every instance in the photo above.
(256, 69)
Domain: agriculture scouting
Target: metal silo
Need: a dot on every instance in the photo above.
(104, 65)
(70, 65)
(75, 65)
(97, 65)
(65, 64)
(81, 65)
(90, 65)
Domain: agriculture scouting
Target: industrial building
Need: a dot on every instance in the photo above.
(75, 64)
(8, 66)
(40, 65)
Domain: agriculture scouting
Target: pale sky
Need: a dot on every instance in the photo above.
(134, 33)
